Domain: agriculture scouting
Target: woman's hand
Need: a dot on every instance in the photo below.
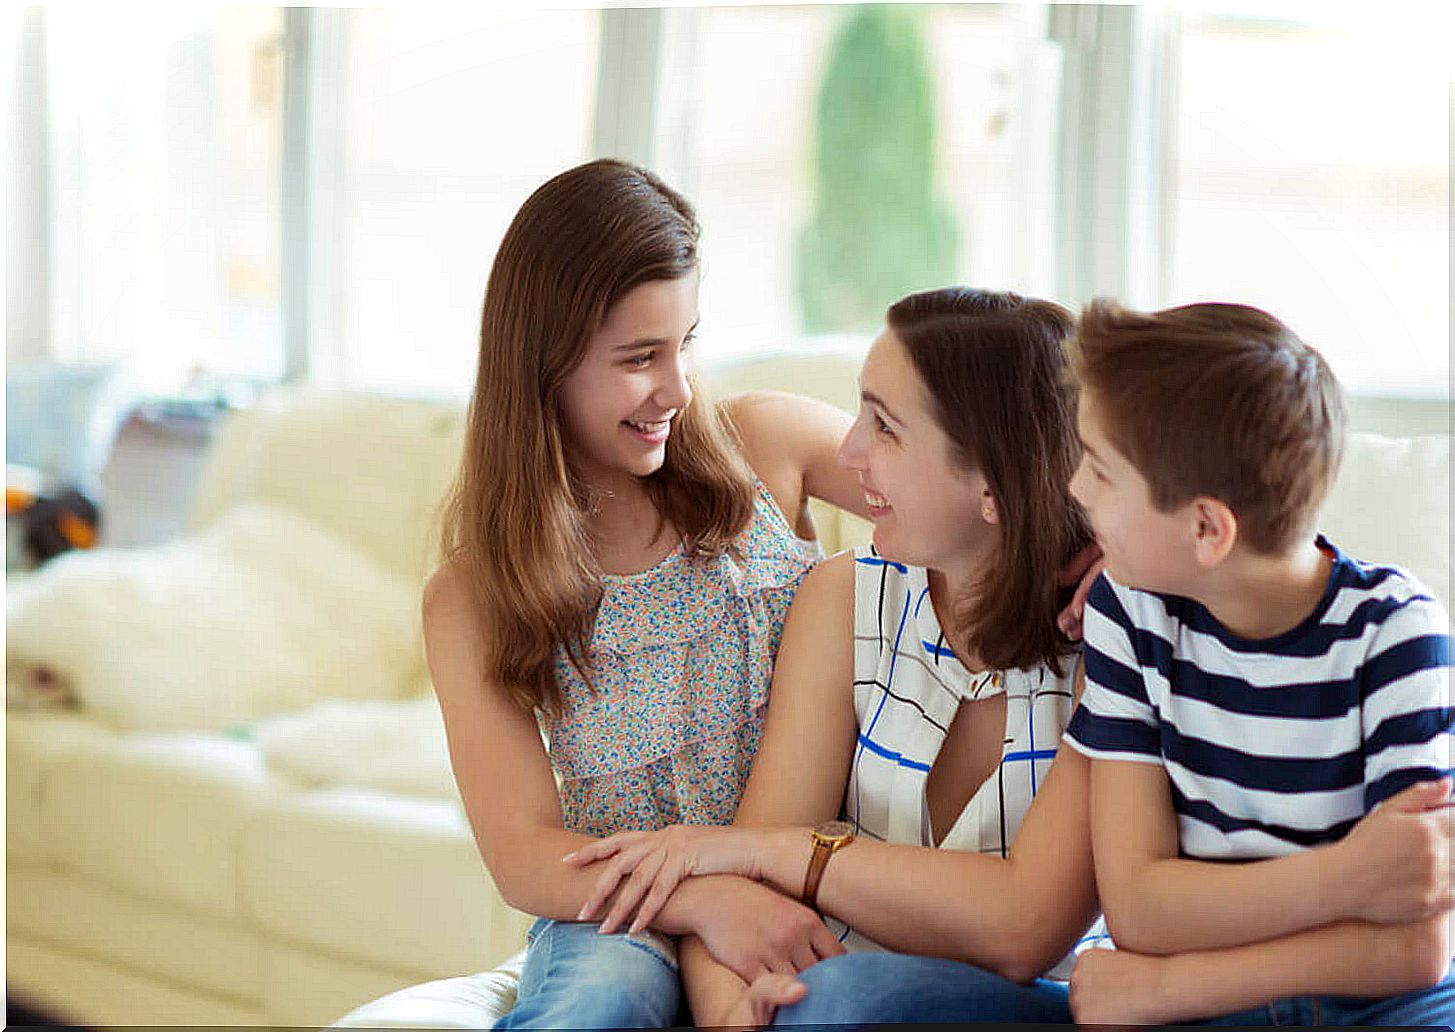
(755, 1008)
(1399, 857)
(655, 862)
(1082, 570)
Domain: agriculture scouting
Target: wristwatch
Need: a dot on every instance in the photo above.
(828, 838)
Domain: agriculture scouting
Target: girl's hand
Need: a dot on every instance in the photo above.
(1400, 857)
(1082, 570)
(1117, 988)
(654, 863)
(755, 1008)
(755, 931)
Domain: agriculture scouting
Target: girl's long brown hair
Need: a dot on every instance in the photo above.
(515, 518)
(995, 367)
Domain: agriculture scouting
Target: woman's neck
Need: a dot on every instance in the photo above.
(950, 584)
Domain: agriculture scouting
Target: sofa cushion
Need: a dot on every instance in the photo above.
(145, 935)
(379, 878)
(1391, 504)
(34, 741)
(159, 816)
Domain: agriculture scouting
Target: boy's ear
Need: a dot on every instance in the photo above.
(1215, 531)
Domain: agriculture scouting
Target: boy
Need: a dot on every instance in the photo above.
(1270, 692)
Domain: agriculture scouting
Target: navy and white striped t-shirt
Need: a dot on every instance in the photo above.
(1276, 745)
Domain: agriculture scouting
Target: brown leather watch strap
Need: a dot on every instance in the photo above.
(817, 862)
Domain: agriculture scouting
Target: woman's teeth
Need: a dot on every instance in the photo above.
(876, 501)
(649, 428)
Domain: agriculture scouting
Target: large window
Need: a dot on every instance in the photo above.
(1313, 180)
(262, 192)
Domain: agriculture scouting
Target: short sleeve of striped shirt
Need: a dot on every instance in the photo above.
(1116, 720)
(1405, 698)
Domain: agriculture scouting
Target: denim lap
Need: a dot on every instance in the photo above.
(574, 977)
(873, 988)
(1424, 1008)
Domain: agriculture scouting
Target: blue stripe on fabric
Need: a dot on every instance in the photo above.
(1301, 643)
(1114, 675)
(1310, 700)
(871, 560)
(890, 754)
(1031, 741)
(1414, 728)
(937, 650)
(1113, 734)
(1396, 781)
(1285, 774)
(1427, 652)
(1207, 813)
(1029, 754)
(889, 681)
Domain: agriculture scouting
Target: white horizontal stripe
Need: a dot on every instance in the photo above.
(1204, 842)
(1288, 737)
(1434, 753)
(1422, 689)
(1272, 669)
(1101, 701)
(1112, 754)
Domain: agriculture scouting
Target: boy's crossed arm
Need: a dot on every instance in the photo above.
(1157, 902)
(1242, 934)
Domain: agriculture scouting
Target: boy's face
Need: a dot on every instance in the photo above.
(1144, 547)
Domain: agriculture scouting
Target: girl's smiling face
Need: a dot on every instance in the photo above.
(618, 405)
(928, 508)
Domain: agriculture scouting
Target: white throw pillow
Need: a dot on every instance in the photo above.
(393, 746)
(262, 613)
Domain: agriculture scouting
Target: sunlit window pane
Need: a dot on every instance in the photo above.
(1314, 181)
(451, 116)
(758, 185)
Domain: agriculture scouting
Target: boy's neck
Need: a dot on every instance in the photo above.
(1262, 596)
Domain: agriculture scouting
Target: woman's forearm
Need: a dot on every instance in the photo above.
(948, 903)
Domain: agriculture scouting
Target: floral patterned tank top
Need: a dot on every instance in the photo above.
(681, 657)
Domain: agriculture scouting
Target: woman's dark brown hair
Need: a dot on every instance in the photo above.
(516, 516)
(994, 366)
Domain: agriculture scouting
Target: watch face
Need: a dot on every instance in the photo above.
(834, 830)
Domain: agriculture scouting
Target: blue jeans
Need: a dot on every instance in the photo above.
(874, 988)
(574, 977)
(1424, 1008)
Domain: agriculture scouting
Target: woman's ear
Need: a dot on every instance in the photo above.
(988, 512)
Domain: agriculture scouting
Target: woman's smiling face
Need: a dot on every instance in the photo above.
(928, 508)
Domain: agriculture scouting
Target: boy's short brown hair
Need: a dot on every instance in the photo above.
(1220, 400)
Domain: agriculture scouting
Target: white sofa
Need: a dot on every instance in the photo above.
(181, 879)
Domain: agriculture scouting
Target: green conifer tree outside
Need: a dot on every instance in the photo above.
(878, 230)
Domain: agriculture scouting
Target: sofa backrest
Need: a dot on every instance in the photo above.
(373, 469)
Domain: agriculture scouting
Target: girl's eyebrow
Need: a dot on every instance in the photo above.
(875, 399)
(651, 342)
